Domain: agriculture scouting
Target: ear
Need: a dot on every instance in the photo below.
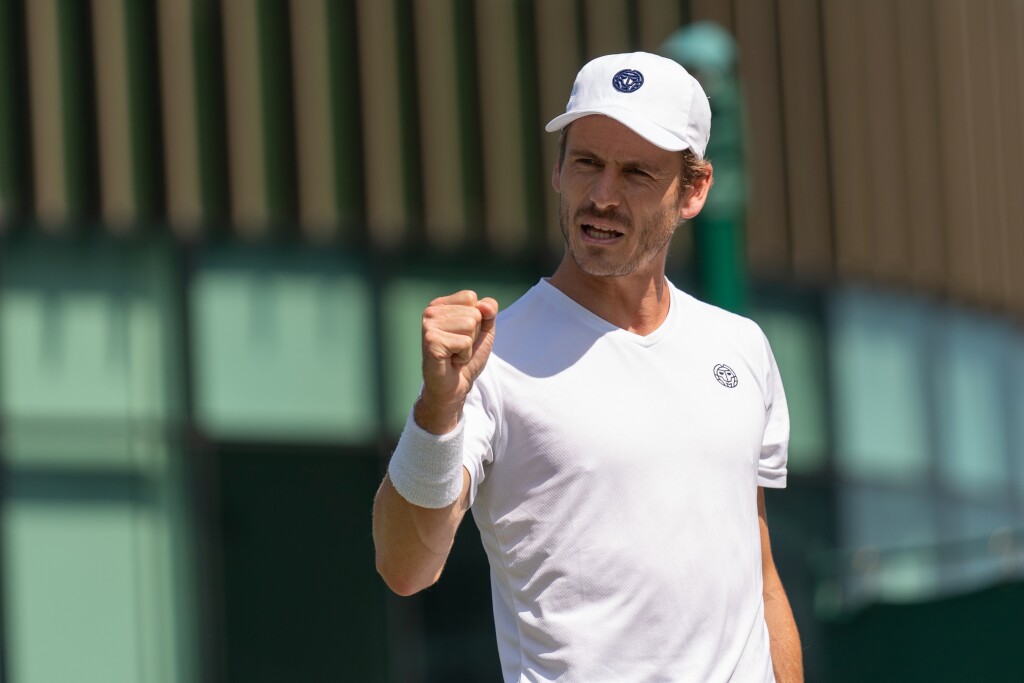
(556, 177)
(693, 200)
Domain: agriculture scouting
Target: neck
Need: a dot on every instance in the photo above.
(637, 302)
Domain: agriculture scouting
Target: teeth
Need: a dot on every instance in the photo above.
(600, 233)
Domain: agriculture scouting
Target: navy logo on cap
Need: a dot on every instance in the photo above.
(627, 80)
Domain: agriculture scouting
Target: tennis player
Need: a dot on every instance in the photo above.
(611, 434)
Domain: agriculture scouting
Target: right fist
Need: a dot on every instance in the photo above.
(458, 334)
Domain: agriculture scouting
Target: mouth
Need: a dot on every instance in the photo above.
(599, 234)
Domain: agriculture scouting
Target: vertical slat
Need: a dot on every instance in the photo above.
(959, 153)
(246, 155)
(387, 209)
(656, 20)
(180, 116)
(276, 100)
(209, 74)
(848, 131)
(807, 168)
(440, 124)
(48, 162)
(992, 228)
(884, 142)
(718, 11)
(13, 161)
(117, 190)
(79, 107)
(1010, 26)
(346, 116)
(925, 220)
(506, 201)
(144, 107)
(607, 27)
(558, 49)
(318, 206)
(760, 78)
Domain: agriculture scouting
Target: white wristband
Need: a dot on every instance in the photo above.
(426, 469)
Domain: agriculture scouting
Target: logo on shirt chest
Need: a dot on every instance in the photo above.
(726, 376)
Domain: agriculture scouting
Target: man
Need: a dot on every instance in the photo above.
(611, 433)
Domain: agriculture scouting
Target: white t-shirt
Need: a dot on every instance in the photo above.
(614, 483)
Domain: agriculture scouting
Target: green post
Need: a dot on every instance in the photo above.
(708, 52)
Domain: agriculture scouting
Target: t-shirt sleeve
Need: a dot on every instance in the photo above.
(481, 415)
(771, 470)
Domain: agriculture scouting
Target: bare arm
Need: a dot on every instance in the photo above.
(412, 542)
(787, 657)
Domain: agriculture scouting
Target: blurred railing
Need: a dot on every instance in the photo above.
(851, 578)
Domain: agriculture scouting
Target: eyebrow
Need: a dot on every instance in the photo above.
(629, 163)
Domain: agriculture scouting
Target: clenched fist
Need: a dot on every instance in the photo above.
(458, 334)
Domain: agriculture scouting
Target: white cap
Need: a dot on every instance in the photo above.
(654, 96)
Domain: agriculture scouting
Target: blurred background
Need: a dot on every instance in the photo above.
(221, 219)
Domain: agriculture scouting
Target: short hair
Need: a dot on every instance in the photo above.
(694, 168)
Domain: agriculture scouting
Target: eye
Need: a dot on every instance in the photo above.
(633, 170)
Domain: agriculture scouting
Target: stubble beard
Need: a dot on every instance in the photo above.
(652, 235)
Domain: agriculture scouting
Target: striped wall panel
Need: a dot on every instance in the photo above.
(117, 181)
(608, 27)
(848, 107)
(990, 236)
(387, 192)
(559, 49)
(250, 209)
(882, 103)
(1010, 60)
(959, 158)
(883, 136)
(179, 108)
(14, 185)
(807, 168)
(656, 21)
(441, 123)
(46, 101)
(768, 241)
(506, 206)
(315, 172)
(723, 13)
(921, 144)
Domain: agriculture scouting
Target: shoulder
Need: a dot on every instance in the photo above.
(534, 314)
(715, 322)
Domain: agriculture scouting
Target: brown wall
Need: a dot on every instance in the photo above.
(885, 137)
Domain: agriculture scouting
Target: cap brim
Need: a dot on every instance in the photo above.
(653, 133)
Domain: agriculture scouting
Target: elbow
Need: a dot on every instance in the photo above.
(402, 583)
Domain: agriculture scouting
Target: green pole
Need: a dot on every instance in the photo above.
(708, 52)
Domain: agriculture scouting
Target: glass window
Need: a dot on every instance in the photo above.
(87, 346)
(973, 391)
(283, 346)
(880, 383)
(93, 534)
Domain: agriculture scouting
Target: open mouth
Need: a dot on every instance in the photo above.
(600, 234)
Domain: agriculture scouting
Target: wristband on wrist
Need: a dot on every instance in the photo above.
(426, 469)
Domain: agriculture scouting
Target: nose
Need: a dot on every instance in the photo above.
(606, 190)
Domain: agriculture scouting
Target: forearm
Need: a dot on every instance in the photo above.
(787, 656)
(413, 530)
(412, 542)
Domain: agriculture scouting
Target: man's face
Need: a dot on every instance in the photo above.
(621, 198)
